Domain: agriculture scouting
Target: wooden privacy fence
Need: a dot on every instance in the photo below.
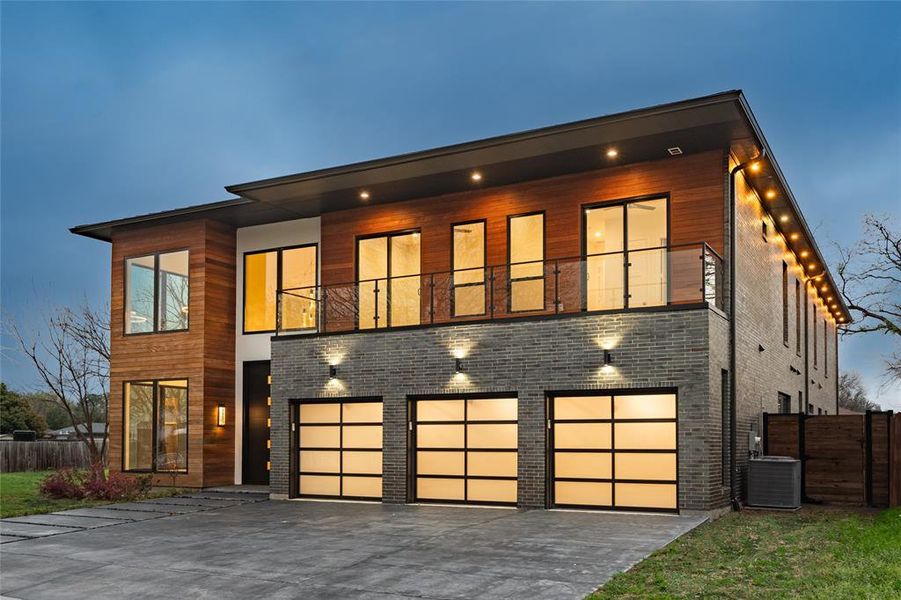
(845, 459)
(43, 454)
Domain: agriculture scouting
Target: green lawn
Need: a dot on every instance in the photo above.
(19, 495)
(813, 553)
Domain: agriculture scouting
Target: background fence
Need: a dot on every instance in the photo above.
(845, 459)
(43, 454)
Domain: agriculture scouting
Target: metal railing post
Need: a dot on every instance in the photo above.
(375, 295)
(431, 298)
(323, 313)
(557, 286)
(491, 282)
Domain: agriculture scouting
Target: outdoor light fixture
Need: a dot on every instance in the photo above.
(458, 365)
(804, 253)
(364, 195)
(755, 167)
(783, 219)
(476, 176)
(608, 358)
(770, 194)
(612, 153)
(332, 372)
(812, 266)
(220, 415)
(793, 237)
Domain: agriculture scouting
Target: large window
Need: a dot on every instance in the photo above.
(156, 292)
(469, 269)
(626, 249)
(813, 333)
(785, 303)
(292, 270)
(525, 253)
(388, 280)
(797, 317)
(156, 426)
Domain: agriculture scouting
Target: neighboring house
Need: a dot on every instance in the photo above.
(557, 317)
(98, 429)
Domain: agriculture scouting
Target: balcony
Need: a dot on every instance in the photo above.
(618, 281)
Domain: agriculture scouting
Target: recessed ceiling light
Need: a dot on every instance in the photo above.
(364, 195)
(784, 218)
(476, 176)
(829, 299)
(612, 153)
(824, 288)
(812, 266)
(793, 236)
(755, 167)
(771, 194)
(804, 253)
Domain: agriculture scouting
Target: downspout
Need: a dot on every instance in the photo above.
(733, 235)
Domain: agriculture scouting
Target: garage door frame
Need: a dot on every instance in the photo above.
(549, 447)
(412, 449)
(294, 460)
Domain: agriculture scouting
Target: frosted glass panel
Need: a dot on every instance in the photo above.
(527, 294)
(646, 495)
(583, 492)
(647, 278)
(439, 489)
(587, 407)
(320, 461)
(439, 410)
(491, 490)
(320, 437)
(440, 463)
(469, 300)
(638, 436)
(366, 487)
(491, 436)
(588, 465)
(362, 462)
(650, 406)
(362, 412)
(646, 466)
(501, 409)
(320, 413)
(492, 464)
(582, 435)
(440, 436)
(320, 485)
(362, 436)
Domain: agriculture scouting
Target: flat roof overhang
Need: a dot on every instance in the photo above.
(720, 121)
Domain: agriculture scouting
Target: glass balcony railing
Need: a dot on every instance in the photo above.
(645, 278)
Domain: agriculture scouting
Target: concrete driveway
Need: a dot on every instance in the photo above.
(317, 550)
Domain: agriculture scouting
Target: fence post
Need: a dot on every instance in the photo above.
(766, 434)
(868, 457)
(802, 453)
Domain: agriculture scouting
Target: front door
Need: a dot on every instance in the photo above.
(255, 469)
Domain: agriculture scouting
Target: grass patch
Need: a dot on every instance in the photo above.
(19, 495)
(814, 553)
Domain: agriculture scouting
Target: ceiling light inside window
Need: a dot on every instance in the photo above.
(364, 195)
(476, 176)
(612, 153)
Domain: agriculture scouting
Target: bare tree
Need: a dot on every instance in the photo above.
(869, 275)
(852, 394)
(70, 352)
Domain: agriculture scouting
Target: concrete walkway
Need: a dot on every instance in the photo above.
(317, 550)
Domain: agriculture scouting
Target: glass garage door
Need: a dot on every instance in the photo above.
(340, 449)
(615, 452)
(465, 450)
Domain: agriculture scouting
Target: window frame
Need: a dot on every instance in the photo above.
(388, 235)
(813, 337)
(278, 285)
(784, 401)
(155, 423)
(542, 277)
(485, 279)
(785, 319)
(156, 292)
(797, 316)
(584, 208)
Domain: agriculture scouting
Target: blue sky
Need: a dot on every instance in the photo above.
(111, 110)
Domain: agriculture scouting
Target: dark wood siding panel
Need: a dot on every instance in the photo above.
(695, 184)
(204, 354)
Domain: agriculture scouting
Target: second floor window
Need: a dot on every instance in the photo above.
(292, 270)
(798, 317)
(784, 303)
(813, 334)
(469, 269)
(156, 292)
(785, 403)
(388, 276)
(526, 262)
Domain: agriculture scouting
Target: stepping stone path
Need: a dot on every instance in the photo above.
(16, 529)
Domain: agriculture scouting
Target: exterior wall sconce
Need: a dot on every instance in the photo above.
(332, 372)
(220, 415)
(458, 366)
(608, 358)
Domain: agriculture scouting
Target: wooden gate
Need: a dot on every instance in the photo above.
(845, 459)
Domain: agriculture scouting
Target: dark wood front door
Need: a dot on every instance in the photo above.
(256, 423)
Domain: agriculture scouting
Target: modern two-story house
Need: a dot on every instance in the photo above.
(593, 314)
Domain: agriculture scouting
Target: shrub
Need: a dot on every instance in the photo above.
(95, 484)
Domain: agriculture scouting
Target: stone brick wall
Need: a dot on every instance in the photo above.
(529, 357)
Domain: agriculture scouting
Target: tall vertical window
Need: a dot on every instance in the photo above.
(785, 403)
(388, 276)
(825, 349)
(813, 333)
(525, 253)
(156, 426)
(291, 270)
(156, 292)
(798, 317)
(784, 303)
(468, 269)
(626, 254)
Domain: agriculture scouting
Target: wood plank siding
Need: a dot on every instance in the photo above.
(695, 184)
(204, 354)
